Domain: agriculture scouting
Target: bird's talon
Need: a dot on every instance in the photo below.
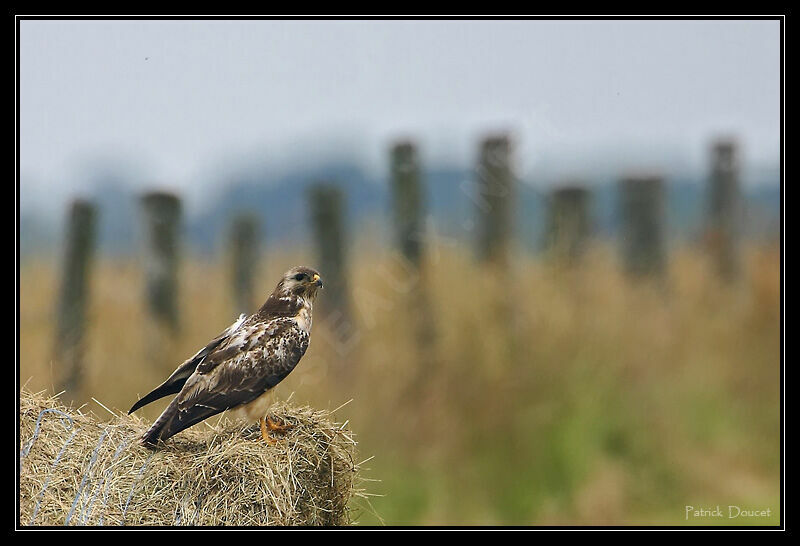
(267, 425)
(264, 433)
(275, 426)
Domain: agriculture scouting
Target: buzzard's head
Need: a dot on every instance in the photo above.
(300, 281)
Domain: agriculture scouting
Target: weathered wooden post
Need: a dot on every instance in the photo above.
(244, 253)
(408, 206)
(642, 233)
(495, 197)
(569, 223)
(74, 295)
(724, 209)
(407, 201)
(327, 205)
(162, 215)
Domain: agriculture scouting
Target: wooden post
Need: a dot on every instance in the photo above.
(642, 234)
(244, 253)
(569, 223)
(724, 209)
(409, 210)
(495, 200)
(74, 295)
(327, 205)
(162, 214)
(407, 201)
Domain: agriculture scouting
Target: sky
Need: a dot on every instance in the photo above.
(178, 101)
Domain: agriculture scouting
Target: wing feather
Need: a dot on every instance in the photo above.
(175, 382)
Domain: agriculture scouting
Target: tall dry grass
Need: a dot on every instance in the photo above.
(553, 396)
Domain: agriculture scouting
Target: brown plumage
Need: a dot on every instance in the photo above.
(239, 367)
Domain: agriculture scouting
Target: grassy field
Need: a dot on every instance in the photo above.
(549, 397)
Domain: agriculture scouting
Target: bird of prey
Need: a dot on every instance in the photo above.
(238, 368)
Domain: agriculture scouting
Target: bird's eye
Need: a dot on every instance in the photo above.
(300, 276)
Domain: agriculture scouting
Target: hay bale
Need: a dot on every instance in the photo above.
(77, 470)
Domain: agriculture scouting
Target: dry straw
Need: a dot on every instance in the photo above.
(77, 470)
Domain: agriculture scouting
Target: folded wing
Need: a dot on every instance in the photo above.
(176, 381)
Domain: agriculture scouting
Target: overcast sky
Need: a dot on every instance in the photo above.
(177, 98)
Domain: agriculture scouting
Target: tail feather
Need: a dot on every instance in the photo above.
(160, 428)
(171, 421)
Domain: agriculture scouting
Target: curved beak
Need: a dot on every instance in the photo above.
(317, 280)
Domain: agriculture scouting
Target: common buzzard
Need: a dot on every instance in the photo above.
(238, 368)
